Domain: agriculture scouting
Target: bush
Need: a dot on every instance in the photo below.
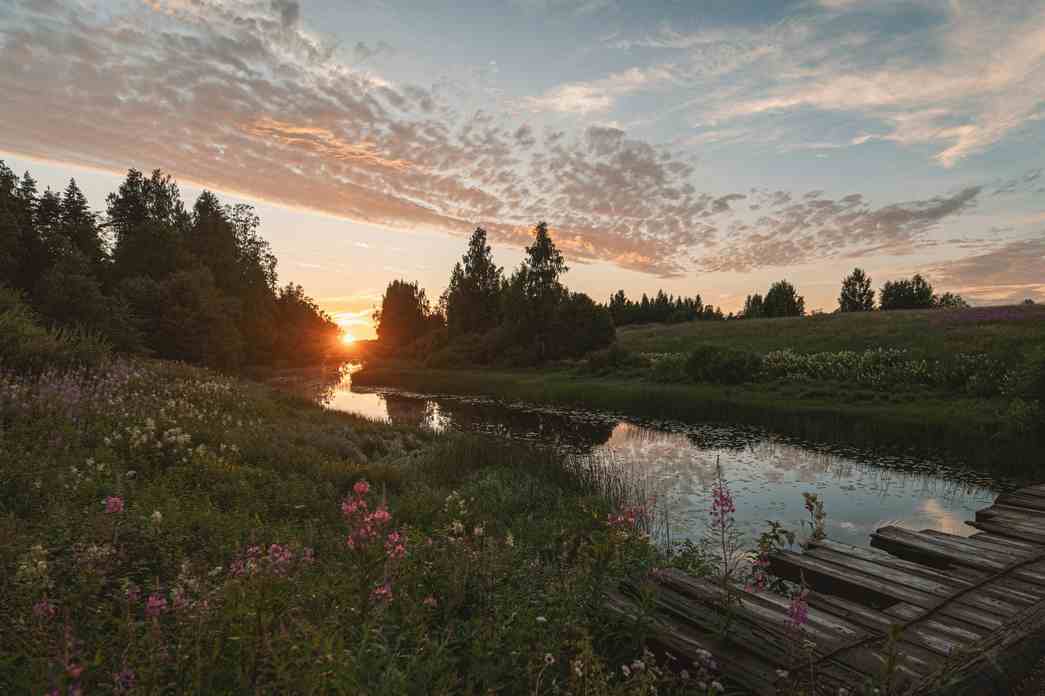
(612, 359)
(667, 368)
(26, 345)
(723, 365)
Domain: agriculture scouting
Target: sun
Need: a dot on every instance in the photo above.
(347, 338)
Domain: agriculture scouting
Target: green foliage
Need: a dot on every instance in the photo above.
(950, 300)
(194, 539)
(754, 307)
(404, 317)
(663, 308)
(856, 295)
(915, 293)
(613, 360)
(722, 365)
(783, 300)
(472, 300)
(27, 345)
(195, 285)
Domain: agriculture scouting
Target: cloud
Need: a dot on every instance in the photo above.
(599, 95)
(242, 96)
(1008, 274)
(958, 98)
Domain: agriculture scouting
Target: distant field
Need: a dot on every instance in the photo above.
(926, 333)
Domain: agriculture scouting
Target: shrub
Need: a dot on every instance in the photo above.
(723, 365)
(26, 345)
(667, 368)
(614, 358)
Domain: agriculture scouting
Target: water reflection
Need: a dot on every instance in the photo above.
(767, 472)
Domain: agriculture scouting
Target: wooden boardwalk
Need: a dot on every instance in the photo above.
(951, 614)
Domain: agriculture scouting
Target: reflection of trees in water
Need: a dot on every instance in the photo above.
(567, 431)
(315, 384)
(403, 410)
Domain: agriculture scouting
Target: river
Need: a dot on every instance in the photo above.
(767, 472)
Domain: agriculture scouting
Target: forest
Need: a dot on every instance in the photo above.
(153, 276)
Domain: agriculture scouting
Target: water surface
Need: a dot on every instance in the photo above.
(767, 472)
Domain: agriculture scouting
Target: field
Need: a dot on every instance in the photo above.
(165, 529)
(925, 333)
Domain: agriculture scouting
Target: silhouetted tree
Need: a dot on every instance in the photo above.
(915, 293)
(753, 308)
(950, 300)
(783, 300)
(472, 300)
(404, 316)
(856, 295)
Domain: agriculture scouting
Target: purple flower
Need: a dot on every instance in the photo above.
(155, 605)
(114, 504)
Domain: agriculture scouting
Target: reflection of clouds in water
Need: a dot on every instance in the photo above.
(768, 473)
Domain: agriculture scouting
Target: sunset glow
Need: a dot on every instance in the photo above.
(695, 147)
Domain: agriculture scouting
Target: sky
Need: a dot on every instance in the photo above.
(708, 147)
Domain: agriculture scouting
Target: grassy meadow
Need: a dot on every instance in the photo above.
(165, 529)
(925, 333)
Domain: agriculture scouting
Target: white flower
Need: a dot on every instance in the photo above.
(717, 686)
(157, 516)
(782, 673)
(549, 659)
(478, 531)
(625, 670)
(541, 619)
(638, 665)
(509, 540)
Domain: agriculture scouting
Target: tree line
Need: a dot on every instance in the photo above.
(485, 316)
(151, 275)
(663, 309)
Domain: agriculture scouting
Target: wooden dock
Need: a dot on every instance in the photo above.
(919, 612)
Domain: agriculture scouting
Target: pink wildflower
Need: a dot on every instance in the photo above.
(382, 593)
(430, 601)
(44, 609)
(114, 504)
(155, 605)
(361, 488)
(381, 516)
(798, 612)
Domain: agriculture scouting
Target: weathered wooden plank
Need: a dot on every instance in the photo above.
(965, 578)
(887, 573)
(939, 552)
(1021, 500)
(1015, 514)
(850, 583)
(1011, 529)
(989, 601)
(987, 545)
(682, 641)
(965, 549)
(1026, 546)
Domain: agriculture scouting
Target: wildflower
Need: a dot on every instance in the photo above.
(798, 612)
(549, 659)
(456, 527)
(624, 669)
(684, 674)
(382, 593)
(44, 609)
(717, 686)
(430, 601)
(361, 488)
(156, 517)
(638, 665)
(113, 504)
(155, 605)
(578, 667)
(782, 673)
(541, 619)
(74, 670)
(123, 681)
(509, 540)
(478, 531)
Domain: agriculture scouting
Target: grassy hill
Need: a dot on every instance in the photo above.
(926, 333)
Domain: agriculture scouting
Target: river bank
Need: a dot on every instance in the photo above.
(969, 429)
(167, 528)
